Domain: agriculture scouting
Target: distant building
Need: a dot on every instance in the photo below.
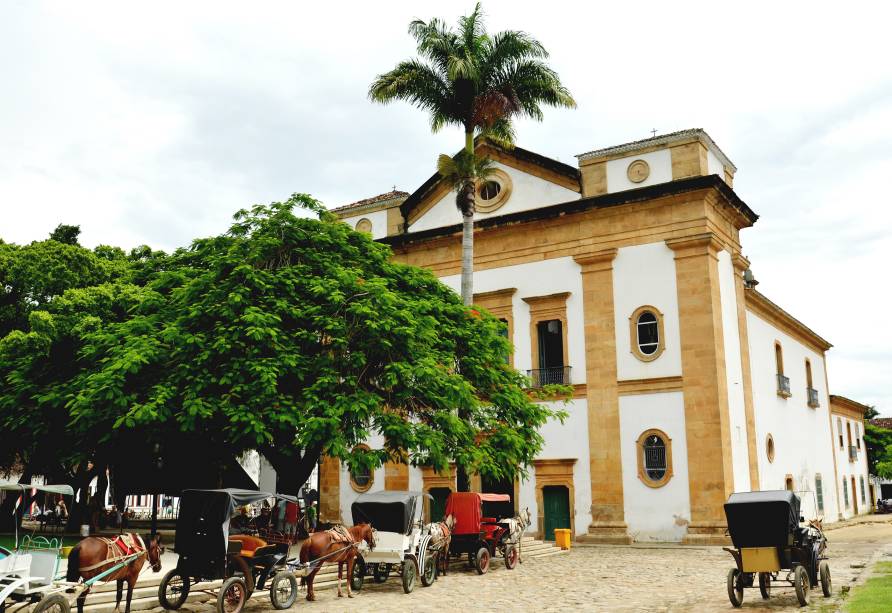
(624, 276)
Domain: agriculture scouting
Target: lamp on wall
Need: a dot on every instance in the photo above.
(748, 279)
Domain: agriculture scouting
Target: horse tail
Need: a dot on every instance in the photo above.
(74, 571)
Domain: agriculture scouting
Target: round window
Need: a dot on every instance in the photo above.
(490, 190)
(361, 478)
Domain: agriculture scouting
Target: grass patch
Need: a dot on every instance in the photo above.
(875, 596)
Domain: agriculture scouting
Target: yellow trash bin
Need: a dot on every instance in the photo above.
(562, 537)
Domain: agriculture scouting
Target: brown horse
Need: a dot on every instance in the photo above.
(322, 544)
(95, 555)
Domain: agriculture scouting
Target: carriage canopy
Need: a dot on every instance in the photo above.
(203, 525)
(466, 508)
(389, 511)
(762, 519)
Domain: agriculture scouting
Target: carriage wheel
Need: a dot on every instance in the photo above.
(381, 571)
(735, 590)
(283, 590)
(802, 583)
(765, 585)
(358, 577)
(429, 574)
(481, 561)
(824, 573)
(54, 603)
(173, 590)
(232, 596)
(410, 572)
(511, 556)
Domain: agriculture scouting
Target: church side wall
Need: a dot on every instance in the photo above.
(378, 219)
(801, 434)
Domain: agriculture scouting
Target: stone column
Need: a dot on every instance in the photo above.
(330, 490)
(705, 385)
(608, 515)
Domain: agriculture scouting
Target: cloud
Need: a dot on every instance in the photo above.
(154, 123)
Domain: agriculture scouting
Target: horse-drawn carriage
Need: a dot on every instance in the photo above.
(765, 530)
(479, 536)
(400, 539)
(208, 552)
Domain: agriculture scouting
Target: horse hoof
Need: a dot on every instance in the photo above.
(349, 595)
(311, 597)
(340, 595)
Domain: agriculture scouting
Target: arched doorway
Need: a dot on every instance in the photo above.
(438, 502)
(556, 506)
(854, 497)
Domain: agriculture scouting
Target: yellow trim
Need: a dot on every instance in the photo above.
(505, 186)
(642, 471)
(361, 488)
(656, 385)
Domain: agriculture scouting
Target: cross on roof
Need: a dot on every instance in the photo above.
(653, 132)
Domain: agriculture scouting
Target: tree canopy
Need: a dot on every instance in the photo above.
(288, 335)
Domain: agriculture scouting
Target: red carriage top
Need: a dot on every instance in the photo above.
(466, 508)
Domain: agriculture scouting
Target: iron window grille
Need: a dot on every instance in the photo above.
(783, 385)
(813, 397)
(819, 493)
(655, 457)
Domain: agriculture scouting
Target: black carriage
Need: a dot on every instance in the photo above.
(768, 540)
(209, 552)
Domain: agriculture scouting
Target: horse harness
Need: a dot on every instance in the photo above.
(119, 549)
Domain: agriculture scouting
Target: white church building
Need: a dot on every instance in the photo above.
(625, 276)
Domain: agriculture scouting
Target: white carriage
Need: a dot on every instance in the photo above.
(29, 573)
(402, 544)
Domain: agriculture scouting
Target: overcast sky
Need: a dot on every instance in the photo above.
(153, 125)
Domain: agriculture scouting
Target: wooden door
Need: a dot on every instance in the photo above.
(556, 507)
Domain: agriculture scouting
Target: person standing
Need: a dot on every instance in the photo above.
(280, 515)
(311, 517)
(291, 510)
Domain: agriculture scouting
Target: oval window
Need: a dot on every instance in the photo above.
(648, 333)
(769, 448)
(490, 190)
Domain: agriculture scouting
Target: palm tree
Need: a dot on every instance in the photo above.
(481, 83)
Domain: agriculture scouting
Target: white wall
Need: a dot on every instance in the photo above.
(714, 166)
(663, 513)
(528, 192)
(563, 441)
(847, 469)
(378, 219)
(645, 275)
(801, 434)
(537, 279)
(740, 457)
(660, 163)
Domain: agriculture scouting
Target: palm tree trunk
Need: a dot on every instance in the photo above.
(467, 234)
(467, 259)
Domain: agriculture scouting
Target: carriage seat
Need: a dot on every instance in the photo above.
(250, 544)
(488, 520)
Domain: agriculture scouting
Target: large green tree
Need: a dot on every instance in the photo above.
(292, 336)
(481, 83)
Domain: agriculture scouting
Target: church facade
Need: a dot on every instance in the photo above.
(625, 277)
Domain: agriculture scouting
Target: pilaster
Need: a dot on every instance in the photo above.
(330, 490)
(707, 427)
(605, 460)
(741, 264)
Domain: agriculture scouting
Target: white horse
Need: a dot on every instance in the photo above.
(517, 525)
(441, 537)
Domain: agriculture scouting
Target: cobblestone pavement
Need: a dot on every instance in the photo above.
(610, 578)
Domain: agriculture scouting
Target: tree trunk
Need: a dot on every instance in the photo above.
(291, 472)
(467, 259)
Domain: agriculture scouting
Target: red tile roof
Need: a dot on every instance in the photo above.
(391, 195)
(882, 422)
